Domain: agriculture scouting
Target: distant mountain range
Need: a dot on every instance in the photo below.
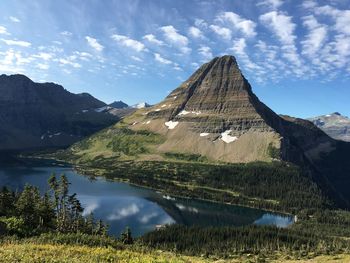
(43, 115)
(335, 125)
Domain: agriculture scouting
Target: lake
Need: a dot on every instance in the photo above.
(120, 204)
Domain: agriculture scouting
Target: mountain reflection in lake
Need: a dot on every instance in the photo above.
(121, 205)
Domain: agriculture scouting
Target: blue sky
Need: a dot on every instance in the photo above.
(294, 53)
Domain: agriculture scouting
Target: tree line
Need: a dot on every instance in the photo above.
(28, 212)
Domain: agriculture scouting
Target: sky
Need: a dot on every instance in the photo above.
(295, 53)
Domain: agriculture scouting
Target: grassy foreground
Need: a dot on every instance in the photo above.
(28, 252)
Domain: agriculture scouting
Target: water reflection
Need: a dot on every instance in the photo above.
(122, 205)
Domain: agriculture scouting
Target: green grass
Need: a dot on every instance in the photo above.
(185, 157)
(117, 142)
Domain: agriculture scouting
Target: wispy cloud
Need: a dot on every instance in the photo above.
(223, 32)
(195, 32)
(162, 60)
(245, 26)
(3, 30)
(152, 39)
(205, 52)
(173, 37)
(274, 4)
(14, 19)
(67, 33)
(16, 43)
(129, 43)
(282, 26)
(93, 42)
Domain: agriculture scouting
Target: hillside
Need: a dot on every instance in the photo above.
(43, 115)
(75, 253)
(335, 125)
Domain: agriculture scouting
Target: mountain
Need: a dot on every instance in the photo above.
(215, 117)
(42, 115)
(141, 105)
(335, 125)
(118, 105)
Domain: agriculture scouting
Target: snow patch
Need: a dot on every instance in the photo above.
(184, 112)
(203, 134)
(148, 122)
(102, 109)
(196, 112)
(227, 138)
(157, 110)
(171, 124)
(163, 105)
(84, 111)
(134, 123)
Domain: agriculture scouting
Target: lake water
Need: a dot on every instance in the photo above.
(120, 204)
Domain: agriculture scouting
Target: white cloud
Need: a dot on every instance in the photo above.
(66, 33)
(224, 32)
(133, 209)
(16, 43)
(94, 43)
(68, 61)
(14, 19)
(128, 42)
(200, 23)
(83, 55)
(315, 38)
(44, 56)
(42, 66)
(274, 4)
(152, 39)
(162, 60)
(173, 37)
(136, 58)
(205, 52)
(341, 17)
(13, 61)
(3, 30)
(239, 46)
(245, 26)
(282, 26)
(195, 32)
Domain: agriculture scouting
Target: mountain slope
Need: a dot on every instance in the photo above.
(215, 117)
(335, 125)
(40, 115)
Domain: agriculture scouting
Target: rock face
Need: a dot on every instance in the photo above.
(335, 125)
(216, 98)
(40, 115)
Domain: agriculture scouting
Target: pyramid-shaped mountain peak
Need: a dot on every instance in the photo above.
(215, 98)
